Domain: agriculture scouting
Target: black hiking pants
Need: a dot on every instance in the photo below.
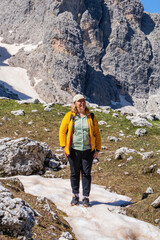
(80, 163)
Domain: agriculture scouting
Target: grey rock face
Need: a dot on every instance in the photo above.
(103, 49)
(5, 92)
(16, 216)
(22, 156)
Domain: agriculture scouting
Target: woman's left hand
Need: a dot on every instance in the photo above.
(95, 154)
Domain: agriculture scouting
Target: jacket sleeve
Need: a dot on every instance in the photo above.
(63, 130)
(97, 135)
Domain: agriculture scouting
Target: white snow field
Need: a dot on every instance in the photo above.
(15, 78)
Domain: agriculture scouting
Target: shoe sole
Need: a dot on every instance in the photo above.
(85, 205)
(74, 204)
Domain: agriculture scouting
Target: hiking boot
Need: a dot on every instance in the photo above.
(75, 200)
(86, 202)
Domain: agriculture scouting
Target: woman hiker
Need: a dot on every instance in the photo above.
(80, 139)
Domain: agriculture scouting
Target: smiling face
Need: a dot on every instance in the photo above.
(81, 105)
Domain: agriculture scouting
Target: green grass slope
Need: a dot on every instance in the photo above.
(122, 176)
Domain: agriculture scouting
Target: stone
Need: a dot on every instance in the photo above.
(95, 160)
(102, 123)
(5, 118)
(43, 202)
(141, 132)
(60, 157)
(47, 109)
(112, 138)
(34, 110)
(23, 156)
(123, 150)
(17, 217)
(129, 158)
(18, 113)
(116, 115)
(157, 220)
(65, 236)
(156, 203)
(149, 190)
(146, 155)
(137, 121)
(30, 123)
(54, 164)
(47, 129)
(158, 170)
(104, 147)
(149, 169)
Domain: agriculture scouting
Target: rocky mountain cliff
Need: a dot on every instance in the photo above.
(105, 49)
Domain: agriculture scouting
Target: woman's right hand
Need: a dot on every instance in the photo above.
(65, 154)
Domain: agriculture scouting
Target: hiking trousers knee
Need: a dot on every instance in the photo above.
(80, 163)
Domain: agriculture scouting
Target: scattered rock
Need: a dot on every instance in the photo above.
(156, 203)
(140, 132)
(149, 190)
(149, 169)
(146, 155)
(43, 202)
(106, 111)
(158, 170)
(149, 116)
(104, 147)
(119, 152)
(137, 121)
(47, 109)
(5, 118)
(65, 236)
(54, 164)
(102, 123)
(97, 110)
(129, 158)
(112, 138)
(95, 160)
(157, 220)
(60, 157)
(47, 129)
(116, 115)
(34, 110)
(30, 123)
(18, 113)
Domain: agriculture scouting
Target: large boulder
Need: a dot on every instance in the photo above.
(22, 156)
(16, 216)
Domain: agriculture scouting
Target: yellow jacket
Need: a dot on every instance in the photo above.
(66, 132)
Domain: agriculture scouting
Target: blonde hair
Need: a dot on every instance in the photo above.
(74, 109)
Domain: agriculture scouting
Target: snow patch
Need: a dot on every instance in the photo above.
(15, 78)
(100, 221)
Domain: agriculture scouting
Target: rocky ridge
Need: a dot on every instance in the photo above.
(104, 49)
